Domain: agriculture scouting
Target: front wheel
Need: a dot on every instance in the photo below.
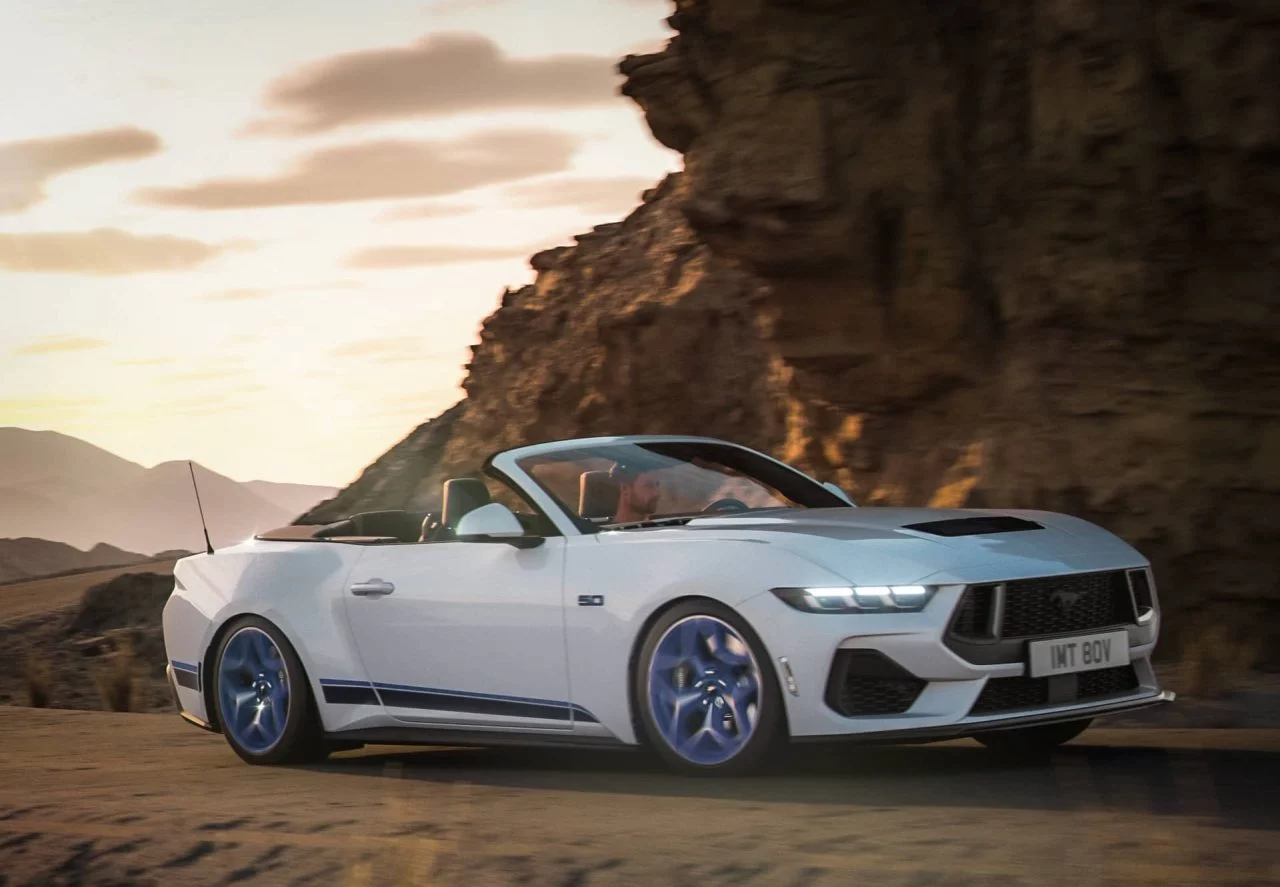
(1033, 741)
(263, 700)
(705, 691)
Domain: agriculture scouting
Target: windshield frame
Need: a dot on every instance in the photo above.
(505, 466)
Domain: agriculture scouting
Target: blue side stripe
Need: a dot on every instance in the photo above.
(185, 666)
(470, 695)
(463, 695)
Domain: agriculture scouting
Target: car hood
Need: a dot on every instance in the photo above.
(875, 546)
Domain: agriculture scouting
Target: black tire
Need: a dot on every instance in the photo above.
(770, 729)
(301, 740)
(1033, 741)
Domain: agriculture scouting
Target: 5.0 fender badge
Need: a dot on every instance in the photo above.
(590, 600)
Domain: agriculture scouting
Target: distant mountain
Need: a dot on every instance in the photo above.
(43, 456)
(30, 558)
(56, 487)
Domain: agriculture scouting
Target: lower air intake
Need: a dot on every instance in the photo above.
(866, 682)
(1013, 694)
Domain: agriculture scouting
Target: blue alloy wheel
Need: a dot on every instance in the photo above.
(253, 689)
(704, 690)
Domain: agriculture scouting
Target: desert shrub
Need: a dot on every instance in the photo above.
(115, 680)
(39, 682)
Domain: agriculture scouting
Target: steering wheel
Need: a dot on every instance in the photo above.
(727, 504)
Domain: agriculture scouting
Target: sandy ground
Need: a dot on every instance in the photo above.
(95, 798)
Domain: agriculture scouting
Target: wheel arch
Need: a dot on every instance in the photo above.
(637, 643)
(208, 686)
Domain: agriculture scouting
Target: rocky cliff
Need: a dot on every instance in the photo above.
(635, 328)
(960, 252)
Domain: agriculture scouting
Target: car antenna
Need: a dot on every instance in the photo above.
(207, 544)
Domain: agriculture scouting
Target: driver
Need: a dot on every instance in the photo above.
(638, 493)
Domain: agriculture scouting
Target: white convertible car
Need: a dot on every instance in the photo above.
(684, 594)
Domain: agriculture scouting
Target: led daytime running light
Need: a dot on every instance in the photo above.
(858, 598)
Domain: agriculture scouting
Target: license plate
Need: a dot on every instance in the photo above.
(1085, 652)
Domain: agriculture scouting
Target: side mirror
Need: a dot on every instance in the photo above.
(494, 522)
(839, 492)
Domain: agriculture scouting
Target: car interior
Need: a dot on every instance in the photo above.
(459, 496)
(597, 496)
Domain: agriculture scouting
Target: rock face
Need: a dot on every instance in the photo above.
(959, 253)
(636, 328)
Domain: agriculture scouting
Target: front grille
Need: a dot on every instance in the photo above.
(973, 618)
(1143, 600)
(1035, 607)
(1107, 682)
(1011, 694)
(866, 682)
(1066, 603)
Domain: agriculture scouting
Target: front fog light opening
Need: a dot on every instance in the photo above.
(858, 598)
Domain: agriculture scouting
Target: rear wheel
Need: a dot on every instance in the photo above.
(1031, 741)
(263, 700)
(706, 693)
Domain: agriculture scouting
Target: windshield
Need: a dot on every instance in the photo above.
(634, 484)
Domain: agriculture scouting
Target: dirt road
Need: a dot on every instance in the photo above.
(96, 798)
(35, 596)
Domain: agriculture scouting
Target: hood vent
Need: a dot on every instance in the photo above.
(974, 526)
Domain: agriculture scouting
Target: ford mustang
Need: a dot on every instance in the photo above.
(683, 594)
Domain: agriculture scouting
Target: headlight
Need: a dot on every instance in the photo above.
(858, 599)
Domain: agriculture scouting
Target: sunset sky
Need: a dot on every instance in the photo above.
(263, 235)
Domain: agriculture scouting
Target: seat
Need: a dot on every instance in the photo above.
(401, 525)
(597, 495)
(461, 496)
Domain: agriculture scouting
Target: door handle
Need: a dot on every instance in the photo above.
(372, 588)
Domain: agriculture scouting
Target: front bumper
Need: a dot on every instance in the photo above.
(974, 726)
(177, 703)
(951, 686)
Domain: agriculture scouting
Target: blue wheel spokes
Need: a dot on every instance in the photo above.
(704, 689)
(254, 690)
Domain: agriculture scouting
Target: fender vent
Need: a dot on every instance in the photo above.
(974, 526)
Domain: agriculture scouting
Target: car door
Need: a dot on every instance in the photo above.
(464, 633)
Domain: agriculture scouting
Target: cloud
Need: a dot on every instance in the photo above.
(322, 287)
(60, 344)
(386, 169)
(102, 251)
(383, 257)
(234, 295)
(209, 375)
(387, 349)
(592, 195)
(424, 211)
(26, 166)
(195, 401)
(453, 7)
(145, 361)
(36, 411)
(439, 75)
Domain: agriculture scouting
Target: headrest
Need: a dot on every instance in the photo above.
(597, 495)
(462, 494)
